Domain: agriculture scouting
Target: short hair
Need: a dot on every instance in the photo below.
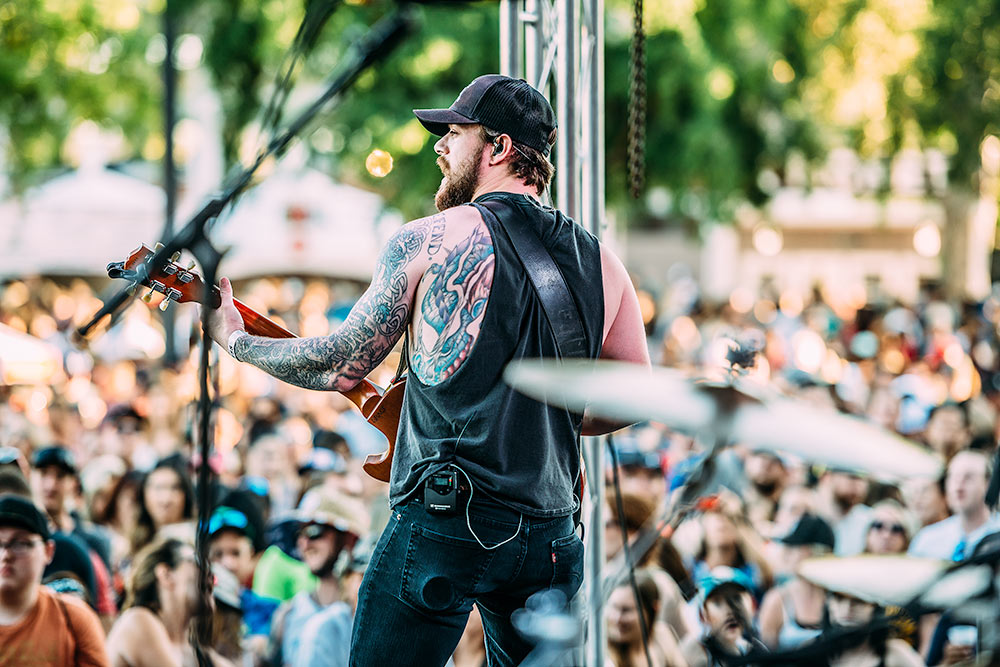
(986, 456)
(526, 163)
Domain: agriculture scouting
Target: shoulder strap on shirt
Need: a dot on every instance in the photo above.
(69, 623)
(548, 281)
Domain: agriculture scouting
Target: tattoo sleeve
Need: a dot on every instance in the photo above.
(342, 359)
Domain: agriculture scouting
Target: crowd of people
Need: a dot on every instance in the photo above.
(98, 502)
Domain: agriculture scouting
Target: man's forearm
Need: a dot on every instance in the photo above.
(326, 363)
(339, 361)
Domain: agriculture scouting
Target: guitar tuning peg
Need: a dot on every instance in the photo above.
(190, 265)
(148, 296)
(164, 304)
(156, 248)
(133, 289)
(176, 256)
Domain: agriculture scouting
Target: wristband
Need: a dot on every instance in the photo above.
(231, 343)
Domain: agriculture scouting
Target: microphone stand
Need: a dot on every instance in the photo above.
(375, 45)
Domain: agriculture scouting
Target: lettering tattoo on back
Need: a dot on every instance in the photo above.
(340, 360)
(452, 309)
(437, 234)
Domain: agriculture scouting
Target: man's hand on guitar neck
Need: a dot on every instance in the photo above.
(225, 319)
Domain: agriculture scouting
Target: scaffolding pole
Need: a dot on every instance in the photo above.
(558, 47)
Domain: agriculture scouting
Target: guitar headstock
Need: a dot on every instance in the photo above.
(174, 282)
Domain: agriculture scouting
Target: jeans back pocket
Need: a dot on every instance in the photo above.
(441, 572)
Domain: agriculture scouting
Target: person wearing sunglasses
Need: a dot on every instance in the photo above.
(38, 625)
(890, 530)
(790, 614)
(314, 628)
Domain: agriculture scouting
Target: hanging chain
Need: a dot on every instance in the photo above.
(637, 106)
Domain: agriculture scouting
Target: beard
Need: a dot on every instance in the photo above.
(458, 186)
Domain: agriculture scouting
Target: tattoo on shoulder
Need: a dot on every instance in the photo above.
(452, 307)
(367, 335)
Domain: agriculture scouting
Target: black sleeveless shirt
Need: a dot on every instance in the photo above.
(517, 451)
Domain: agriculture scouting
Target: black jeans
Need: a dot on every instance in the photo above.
(427, 570)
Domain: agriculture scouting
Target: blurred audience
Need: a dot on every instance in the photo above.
(105, 443)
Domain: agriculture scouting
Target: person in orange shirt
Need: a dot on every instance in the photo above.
(37, 625)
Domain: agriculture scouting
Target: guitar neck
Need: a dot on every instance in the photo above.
(260, 325)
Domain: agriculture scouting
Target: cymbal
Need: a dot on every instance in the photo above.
(615, 390)
(832, 438)
(761, 419)
(882, 580)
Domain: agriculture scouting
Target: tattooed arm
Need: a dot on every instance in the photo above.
(339, 361)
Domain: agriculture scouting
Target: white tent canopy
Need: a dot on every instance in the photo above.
(75, 224)
(25, 359)
(299, 221)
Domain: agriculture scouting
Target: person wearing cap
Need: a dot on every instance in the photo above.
(235, 543)
(314, 628)
(455, 281)
(38, 625)
(726, 609)
(792, 613)
(53, 475)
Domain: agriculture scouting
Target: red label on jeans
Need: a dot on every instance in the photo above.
(553, 556)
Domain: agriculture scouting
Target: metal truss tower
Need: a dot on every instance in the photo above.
(558, 47)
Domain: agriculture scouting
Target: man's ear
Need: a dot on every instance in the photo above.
(50, 551)
(503, 146)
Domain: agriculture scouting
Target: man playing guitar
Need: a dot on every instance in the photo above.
(484, 480)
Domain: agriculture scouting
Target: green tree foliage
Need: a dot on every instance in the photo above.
(63, 62)
(951, 97)
(725, 82)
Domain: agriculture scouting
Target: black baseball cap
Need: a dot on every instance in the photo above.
(56, 455)
(21, 512)
(507, 105)
(810, 530)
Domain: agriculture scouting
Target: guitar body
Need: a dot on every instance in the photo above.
(383, 413)
(380, 407)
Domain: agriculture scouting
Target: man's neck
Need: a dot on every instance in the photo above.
(503, 183)
(973, 520)
(328, 591)
(15, 605)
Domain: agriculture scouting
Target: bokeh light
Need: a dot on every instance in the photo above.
(379, 163)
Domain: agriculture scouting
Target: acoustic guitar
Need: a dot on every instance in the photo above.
(381, 407)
